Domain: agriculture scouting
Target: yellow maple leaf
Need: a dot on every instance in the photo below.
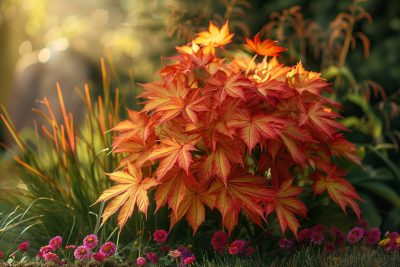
(130, 191)
(214, 37)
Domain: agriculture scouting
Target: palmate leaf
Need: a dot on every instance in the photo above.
(220, 161)
(171, 152)
(242, 190)
(221, 85)
(130, 191)
(187, 106)
(214, 37)
(286, 204)
(339, 190)
(265, 47)
(256, 128)
(173, 188)
(322, 118)
(137, 128)
(192, 205)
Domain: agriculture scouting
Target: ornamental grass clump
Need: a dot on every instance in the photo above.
(231, 133)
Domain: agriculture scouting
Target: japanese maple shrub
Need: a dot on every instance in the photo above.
(231, 132)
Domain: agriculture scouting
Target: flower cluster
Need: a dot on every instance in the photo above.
(334, 238)
(182, 255)
(391, 242)
(83, 252)
(219, 242)
(90, 242)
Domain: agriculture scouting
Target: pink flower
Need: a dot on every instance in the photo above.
(233, 250)
(90, 241)
(189, 260)
(108, 249)
(304, 235)
(55, 242)
(355, 235)
(165, 248)
(285, 244)
(329, 248)
(318, 228)
(372, 236)
(140, 261)
(82, 253)
(237, 247)
(98, 256)
(219, 241)
(1, 255)
(24, 246)
(45, 249)
(70, 247)
(175, 253)
(317, 237)
(160, 236)
(50, 256)
(337, 235)
(152, 257)
(249, 251)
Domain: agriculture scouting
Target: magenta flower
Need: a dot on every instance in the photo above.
(285, 244)
(160, 236)
(90, 241)
(98, 256)
(165, 248)
(318, 228)
(50, 256)
(189, 260)
(316, 237)
(24, 246)
(82, 253)
(70, 247)
(152, 257)
(355, 235)
(55, 242)
(140, 261)
(237, 247)
(304, 235)
(249, 251)
(372, 236)
(108, 249)
(337, 235)
(219, 241)
(329, 248)
(45, 249)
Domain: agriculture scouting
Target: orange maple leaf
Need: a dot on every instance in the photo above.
(287, 205)
(219, 162)
(322, 119)
(341, 147)
(222, 85)
(242, 190)
(306, 81)
(192, 206)
(136, 128)
(339, 189)
(264, 48)
(173, 188)
(170, 152)
(130, 191)
(188, 106)
(257, 128)
(214, 37)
